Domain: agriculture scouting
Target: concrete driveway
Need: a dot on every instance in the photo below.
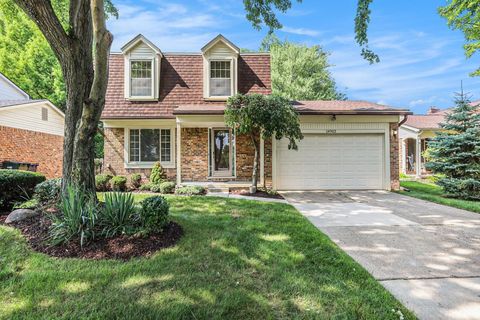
(426, 255)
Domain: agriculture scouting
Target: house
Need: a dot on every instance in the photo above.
(169, 107)
(31, 132)
(415, 134)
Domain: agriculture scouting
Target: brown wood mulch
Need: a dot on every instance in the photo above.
(259, 193)
(35, 230)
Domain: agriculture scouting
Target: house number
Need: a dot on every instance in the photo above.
(331, 131)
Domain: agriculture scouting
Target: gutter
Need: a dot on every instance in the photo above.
(405, 117)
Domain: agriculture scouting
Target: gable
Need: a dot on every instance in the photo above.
(40, 116)
(9, 91)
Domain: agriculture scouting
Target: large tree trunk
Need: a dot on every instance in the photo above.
(253, 188)
(83, 55)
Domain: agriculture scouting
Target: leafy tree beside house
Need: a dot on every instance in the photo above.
(266, 116)
(300, 72)
(455, 153)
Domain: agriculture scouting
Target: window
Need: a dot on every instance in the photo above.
(141, 80)
(44, 114)
(150, 145)
(220, 79)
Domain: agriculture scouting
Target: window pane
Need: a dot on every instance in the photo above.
(150, 145)
(134, 145)
(141, 78)
(220, 81)
(165, 145)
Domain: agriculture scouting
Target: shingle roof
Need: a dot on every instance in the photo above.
(308, 107)
(181, 83)
(9, 103)
(429, 121)
(345, 107)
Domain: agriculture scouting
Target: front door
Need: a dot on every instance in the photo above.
(222, 157)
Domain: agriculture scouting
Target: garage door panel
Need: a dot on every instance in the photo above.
(331, 162)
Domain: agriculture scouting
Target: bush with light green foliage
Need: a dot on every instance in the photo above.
(154, 214)
(119, 183)
(158, 174)
(102, 182)
(190, 190)
(145, 187)
(136, 180)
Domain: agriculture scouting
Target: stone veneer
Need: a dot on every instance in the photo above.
(44, 149)
(394, 157)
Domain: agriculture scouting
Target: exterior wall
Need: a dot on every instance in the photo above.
(114, 156)
(267, 164)
(195, 156)
(29, 117)
(394, 157)
(33, 147)
(9, 92)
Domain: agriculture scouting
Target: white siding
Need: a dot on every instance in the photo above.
(29, 117)
(142, 51)
(220, 50)
(10, 92)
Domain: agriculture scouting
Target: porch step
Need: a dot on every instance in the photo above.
(218, 190)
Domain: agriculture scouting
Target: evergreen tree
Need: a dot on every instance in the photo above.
(455, 153)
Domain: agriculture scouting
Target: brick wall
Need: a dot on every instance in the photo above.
(114, 156)
(33, 147)
(267, 173)
(394, 157)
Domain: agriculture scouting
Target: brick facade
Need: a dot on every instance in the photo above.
(114, 156)
(394, 157)
(44, 149)
(194, 158)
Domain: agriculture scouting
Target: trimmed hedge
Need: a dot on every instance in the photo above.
(102, 182)
(119, 183)
(190, 191)
(16, 186)
(154, 214)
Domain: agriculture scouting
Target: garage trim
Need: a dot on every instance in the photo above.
(343, 128)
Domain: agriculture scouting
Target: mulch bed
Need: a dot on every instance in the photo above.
(259, 193)
(35, 230)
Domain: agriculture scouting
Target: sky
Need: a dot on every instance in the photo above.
(422, 62)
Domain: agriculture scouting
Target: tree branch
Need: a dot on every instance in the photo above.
(42, 13)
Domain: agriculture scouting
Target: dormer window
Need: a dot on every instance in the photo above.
(141, 80)
(220, 70)
(220, 78)
(142, 69)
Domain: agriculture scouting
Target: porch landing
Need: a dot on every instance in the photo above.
(219, 187)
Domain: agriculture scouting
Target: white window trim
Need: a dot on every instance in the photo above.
(152, 73)
(233, 78)
(149, 164)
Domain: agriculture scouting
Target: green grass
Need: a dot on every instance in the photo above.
(238, 259)
(434, 193)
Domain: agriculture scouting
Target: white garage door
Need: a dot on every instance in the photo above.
(350, 161)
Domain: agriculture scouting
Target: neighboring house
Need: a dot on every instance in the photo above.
(415, 134)
(31, 131)
(169, 107)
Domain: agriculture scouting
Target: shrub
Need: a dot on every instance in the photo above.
(117, 214)
(154, 214)
(190, 190)
(78, 218)
(119, 183)
(135, 180)
(167, 187)
(29, 204)
(155, 188)
(158, 174)
(146, 187)
(17, 185)
(48, 191)
(102, 182)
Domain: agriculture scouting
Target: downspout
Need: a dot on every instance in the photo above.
(405, 117)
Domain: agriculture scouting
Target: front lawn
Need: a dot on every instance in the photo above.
(434, 193)
(238, 259)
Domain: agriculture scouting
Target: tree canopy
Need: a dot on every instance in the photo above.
(455, 153)
(300, 72)
(268, 116)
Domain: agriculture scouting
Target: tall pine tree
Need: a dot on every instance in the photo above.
(455, 153)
